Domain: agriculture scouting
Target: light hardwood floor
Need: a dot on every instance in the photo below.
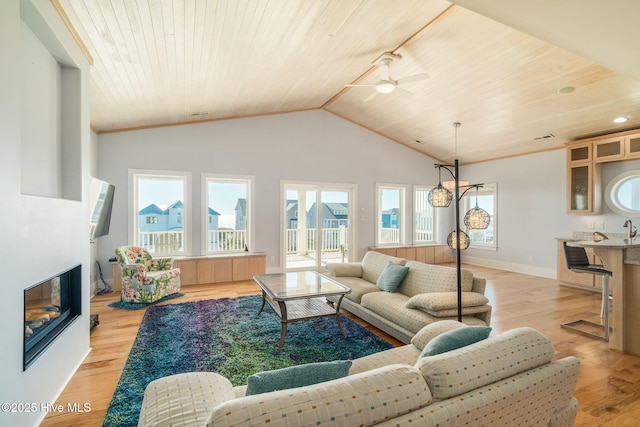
(608, 388)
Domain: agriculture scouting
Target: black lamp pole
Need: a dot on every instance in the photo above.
(458, 256)
(458, 196)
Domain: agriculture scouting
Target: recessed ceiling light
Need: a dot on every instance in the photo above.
(620, 120)
(566, 90)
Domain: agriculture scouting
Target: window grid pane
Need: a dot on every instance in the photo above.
(424, 221)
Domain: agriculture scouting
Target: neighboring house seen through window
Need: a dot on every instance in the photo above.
(390, 214)
(160, 201)
(227, 204)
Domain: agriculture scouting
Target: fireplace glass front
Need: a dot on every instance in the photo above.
(49, 307)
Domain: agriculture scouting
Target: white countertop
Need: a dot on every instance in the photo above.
(607, 243)
(631, 247)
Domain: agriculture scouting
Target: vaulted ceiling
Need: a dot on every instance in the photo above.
(163, 62)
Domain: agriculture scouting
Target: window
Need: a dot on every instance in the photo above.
(622, 194)
(160, 211)
(424, 216)
(390, 215)
(487, 199)
(227, 213)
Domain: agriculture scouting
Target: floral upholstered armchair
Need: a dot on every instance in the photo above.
(144, 278)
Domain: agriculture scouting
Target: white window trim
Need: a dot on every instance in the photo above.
(468, 202)
(436, 216)
(205, 213)
(133, 207)
(319, 186)
(403, 213)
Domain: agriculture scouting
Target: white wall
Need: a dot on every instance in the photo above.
(40, 236)
(304, 146)
(317, 146)
(532, 210)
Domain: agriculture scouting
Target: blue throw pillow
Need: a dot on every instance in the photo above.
(297, 376)
(391, 276)
(454, 339)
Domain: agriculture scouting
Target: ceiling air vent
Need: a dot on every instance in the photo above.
(547, 136)
(199, 113)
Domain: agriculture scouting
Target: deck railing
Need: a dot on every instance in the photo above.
(226, 240)
(333, 240)
(162, 242)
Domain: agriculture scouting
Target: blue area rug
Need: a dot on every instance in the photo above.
(228, 337)
(138, 305)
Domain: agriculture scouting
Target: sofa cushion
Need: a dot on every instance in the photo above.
(424, 278)
(436, 301)
(392, 307)
(363, 399)
(455, 339)
(183, 399)
(391, 276)
(485, 362)
(358, 286)
(297, 376)
(466, 311)
(432, 330)
(374, 262)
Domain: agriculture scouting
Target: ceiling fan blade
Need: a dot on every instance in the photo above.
(404, 92)
(370, 97)
(414, 78)
(360, 85)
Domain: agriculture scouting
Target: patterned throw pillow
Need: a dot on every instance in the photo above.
(297, 376)
(391, 277)
(455, 339)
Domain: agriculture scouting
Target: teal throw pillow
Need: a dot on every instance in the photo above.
(297, 376)
(456, 338)
(391, 276)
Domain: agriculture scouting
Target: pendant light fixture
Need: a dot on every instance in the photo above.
(477, 218)
(439, 197)
(452, 242)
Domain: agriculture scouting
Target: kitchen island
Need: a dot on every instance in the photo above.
(622, 258)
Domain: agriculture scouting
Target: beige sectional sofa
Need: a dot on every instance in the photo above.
(507, 379)
(427, 294)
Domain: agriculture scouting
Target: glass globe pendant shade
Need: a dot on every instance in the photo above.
(464, 240)
(477, 219)
(440, 197)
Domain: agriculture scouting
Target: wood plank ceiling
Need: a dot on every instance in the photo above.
(162, 62)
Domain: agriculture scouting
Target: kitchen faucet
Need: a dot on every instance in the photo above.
(632, 228)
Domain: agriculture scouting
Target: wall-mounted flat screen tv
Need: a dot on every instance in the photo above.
(100, 205)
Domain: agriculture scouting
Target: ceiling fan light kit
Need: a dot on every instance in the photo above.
(386, 84)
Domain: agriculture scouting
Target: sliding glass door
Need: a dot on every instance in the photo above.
(317, 225)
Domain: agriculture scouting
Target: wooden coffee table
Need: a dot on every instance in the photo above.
(300, 295)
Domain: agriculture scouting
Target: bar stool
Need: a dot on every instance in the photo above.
(578, 262)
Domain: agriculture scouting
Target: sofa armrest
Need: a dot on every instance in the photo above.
(184, 399)
(479, 285)
(346, 269)
(133, 268)
(160, 264)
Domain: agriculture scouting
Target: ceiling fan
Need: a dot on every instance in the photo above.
(386, 84)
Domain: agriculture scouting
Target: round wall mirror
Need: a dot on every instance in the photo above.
(622, 194)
